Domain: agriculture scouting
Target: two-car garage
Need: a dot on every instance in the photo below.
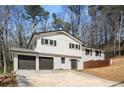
(29, 62)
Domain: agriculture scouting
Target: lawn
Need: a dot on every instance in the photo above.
(113, 72)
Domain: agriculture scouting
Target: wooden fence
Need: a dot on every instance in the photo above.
(96, 63)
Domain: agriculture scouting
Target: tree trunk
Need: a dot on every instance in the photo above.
(33, 27)
(4, 57)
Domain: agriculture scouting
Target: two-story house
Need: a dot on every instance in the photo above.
(53, 50)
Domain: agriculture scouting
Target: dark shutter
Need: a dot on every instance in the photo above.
(100, 53)
(91, 52)
(42, 41)
(72, 45)
(79, 47)
(54, 42)
(69, 45)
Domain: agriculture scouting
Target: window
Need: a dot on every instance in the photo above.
(74, 46)
(87, 51)
(51, 42)
(63, 60)
(46, 41)
(97, 53)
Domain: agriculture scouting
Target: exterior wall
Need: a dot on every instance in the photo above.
(15, 62)
(57, 62)
(59, 65)
(61, 48)
(80, 64)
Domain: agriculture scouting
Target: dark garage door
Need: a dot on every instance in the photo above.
(73, 63)
(26, 62)
(45, 63)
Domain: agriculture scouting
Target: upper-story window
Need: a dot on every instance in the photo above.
(97, 53)
(48, 42)
(87, 51)
(51, 42)
(74, 46)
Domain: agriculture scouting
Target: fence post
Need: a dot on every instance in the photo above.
(110, 61)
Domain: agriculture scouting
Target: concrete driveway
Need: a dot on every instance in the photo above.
(62, 78)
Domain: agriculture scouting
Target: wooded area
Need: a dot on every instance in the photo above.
(96, 25)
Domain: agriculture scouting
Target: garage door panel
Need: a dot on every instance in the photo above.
(26, 62)
(45, 63)
(73, 64)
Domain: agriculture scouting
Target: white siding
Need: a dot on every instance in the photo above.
(15, 60)
(59, 65)
(61, 48)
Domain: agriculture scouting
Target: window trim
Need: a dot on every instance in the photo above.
(43, 42)
(74, 46)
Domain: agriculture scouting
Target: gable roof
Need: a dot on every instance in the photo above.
(53, 33)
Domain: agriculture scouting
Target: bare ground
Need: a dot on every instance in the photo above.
(113, 72)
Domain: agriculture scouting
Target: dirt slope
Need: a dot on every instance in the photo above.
(113, 72)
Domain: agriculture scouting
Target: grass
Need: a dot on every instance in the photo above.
(1, 70)
(113, 72)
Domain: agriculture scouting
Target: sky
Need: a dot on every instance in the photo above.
(52, 8)
(58, 8)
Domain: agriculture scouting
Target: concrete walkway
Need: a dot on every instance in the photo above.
(62, 78)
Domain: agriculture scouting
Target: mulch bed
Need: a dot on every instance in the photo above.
(8, 80)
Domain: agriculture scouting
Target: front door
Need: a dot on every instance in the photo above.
(73, 63)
